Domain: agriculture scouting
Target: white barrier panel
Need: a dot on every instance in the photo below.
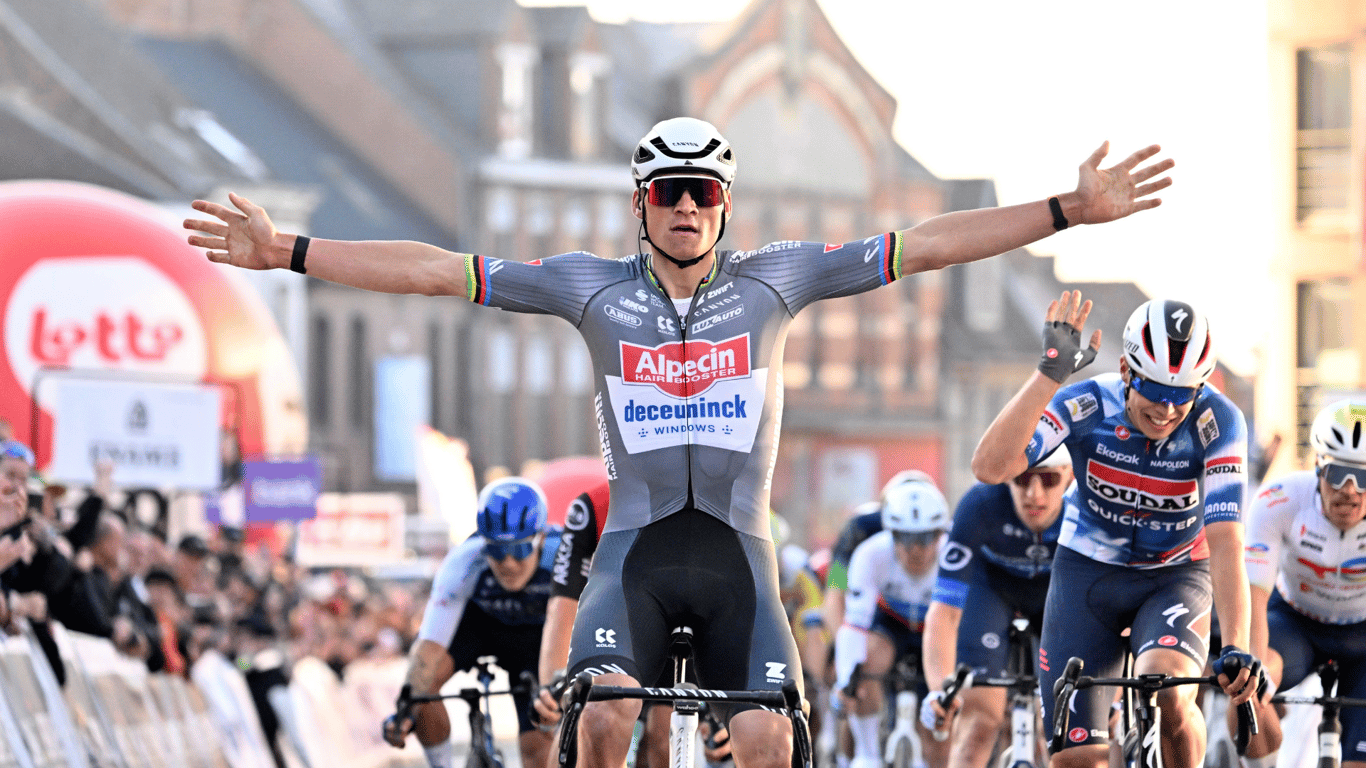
(368, 692)
(28, 704)
(233, 713)
(73, 751)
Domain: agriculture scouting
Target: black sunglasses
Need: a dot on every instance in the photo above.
(1049, 478)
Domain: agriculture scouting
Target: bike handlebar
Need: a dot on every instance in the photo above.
(1072, 680)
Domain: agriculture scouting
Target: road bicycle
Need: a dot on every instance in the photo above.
(901, 744)
(1330, 727)
(1022, 687)
(688, 701)
(483, 752)
(1141, 725)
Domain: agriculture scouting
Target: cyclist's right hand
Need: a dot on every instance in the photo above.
(547, 708)
(244, 237)
(398, 725)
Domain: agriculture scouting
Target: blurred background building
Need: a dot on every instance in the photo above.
(484, 126)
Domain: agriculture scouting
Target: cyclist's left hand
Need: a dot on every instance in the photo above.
(1115, 192)
(720, 752)
(932, 713)
(1240, 674)
(546, 707)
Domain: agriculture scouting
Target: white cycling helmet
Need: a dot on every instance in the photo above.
(915, 507)
(1168, 342)
(683, 144)
(903, 477)
(1339, 433)
(1058, 458)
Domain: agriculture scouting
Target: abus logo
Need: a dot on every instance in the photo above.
(112, 312)
(685, 368)
(1140, 491)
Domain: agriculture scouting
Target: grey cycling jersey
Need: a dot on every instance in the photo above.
(688, 408)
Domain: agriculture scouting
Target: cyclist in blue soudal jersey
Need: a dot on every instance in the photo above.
(994, 567)
(687, 346)
(488, 599)
(1151, 527)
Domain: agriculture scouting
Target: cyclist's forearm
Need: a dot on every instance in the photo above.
(428, 668)
(386, 266)
(1229, 581)
(1260, 637)
(559, 626)
(939, 643)
(963, 236)
(1000, 454)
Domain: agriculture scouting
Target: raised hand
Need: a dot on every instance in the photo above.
(1124, 188)
(245, 237)
(1063, 353)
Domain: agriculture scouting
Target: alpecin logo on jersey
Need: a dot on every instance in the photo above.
(685, 368)
(1140, 491)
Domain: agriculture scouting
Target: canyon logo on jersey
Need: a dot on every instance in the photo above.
(682, 392)
(1141, 491)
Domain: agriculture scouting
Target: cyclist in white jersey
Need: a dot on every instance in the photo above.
(1306, 561)
(891, 579)
(687, 344)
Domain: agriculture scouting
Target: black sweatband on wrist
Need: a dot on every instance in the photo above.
(1059, 221)
(296, 261)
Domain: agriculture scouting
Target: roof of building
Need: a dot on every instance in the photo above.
(356, 203)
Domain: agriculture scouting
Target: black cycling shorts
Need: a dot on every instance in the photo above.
(1304, 644)
(517, 648)
(687, 569)
(1090, 604)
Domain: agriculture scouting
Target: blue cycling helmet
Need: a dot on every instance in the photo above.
(511, 512)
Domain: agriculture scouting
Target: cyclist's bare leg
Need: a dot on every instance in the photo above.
(1183, 725)
(429, 667)
(535, 747)
(976, 727)
(1268, 738)
(761, 739)
(1085, 756)
(656, 746)
(605, 726)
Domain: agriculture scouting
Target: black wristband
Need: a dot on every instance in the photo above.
(1059, 221)
(296, 261)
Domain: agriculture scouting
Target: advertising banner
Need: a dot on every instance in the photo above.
(281, 490)
(156, 435)
(353, 529)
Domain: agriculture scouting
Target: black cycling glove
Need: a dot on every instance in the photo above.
(1232, 658)
(1063, 354)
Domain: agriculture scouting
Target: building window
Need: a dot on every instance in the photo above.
(1323, 136)
(434, 387)
(586, 71)
(320, 372)
(515, 115)
(1324, 319)
(358, 378)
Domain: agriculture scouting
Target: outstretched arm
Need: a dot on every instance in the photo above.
(247, 238)
(1101, 195)
(1000, 454)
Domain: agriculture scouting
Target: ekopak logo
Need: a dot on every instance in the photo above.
(111, 313)
(685, 368)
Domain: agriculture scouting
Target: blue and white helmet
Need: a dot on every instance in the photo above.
(511, 509)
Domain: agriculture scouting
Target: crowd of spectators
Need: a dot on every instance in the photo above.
(84, 558)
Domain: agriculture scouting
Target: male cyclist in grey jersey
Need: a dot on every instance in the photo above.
(687, 346)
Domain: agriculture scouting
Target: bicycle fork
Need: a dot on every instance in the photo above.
(907, 712)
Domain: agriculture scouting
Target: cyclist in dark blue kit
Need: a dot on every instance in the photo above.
(1152, 527)
(488, 599)
(994, 567)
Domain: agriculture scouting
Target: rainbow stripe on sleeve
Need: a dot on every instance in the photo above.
(891, 257)
(476, 279)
